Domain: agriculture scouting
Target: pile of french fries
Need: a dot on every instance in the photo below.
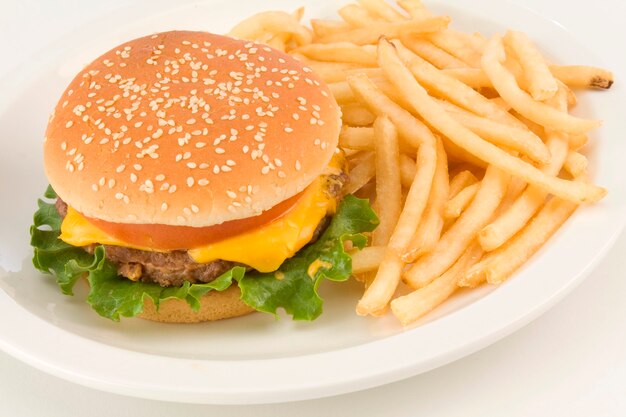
(464, 143)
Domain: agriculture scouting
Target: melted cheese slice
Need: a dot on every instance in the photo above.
(264, 248)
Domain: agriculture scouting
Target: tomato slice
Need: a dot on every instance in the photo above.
(167, 237)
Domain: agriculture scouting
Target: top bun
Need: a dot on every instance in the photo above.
(191, 129)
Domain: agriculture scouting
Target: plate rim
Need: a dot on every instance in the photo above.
(351, 383)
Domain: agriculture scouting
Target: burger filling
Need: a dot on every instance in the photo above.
(205, 264)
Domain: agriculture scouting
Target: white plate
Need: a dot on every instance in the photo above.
(256, 359)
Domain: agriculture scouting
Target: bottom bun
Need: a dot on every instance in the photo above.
(214, 305)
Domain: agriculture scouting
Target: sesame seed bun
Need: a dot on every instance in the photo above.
(214, 305)
(189, 128)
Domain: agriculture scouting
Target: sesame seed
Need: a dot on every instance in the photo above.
(190, 181)
(69, 124)
(231, 194)
(164, 207)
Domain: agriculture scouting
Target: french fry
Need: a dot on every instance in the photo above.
(432, 53)
(342, 92)
(541, 82)
(519, 213)
(361, 138)
(504, 82)
(414, 8)
(360, 174)
(456, 46)
(382, 9)
(356, 16)
(578, 141)
(330, 72)
(429, 229)
(457, 204)
(575, 163)
(459, 182)
(367, 259)
(339, 52)
(356, 115)
(454, 241)
(574, 76)
(370, 34)
(514, 138)
(409, 308)
(501, 103)
(501, 263)
(436, 116)
(380, 291)
(388, 187)
(407, 170)
(323, 27)
(273, 22)
(472, 77)
(580, 76)
(411, 130)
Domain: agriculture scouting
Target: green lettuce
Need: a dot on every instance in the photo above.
(293, 287)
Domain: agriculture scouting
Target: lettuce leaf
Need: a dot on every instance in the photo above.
(293, 287)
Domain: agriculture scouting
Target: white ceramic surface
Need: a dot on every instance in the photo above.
(256, 359)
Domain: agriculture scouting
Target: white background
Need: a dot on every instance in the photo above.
(570, 362)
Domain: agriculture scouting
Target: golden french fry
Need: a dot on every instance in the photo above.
(578, 141)
(504, 82)
(580, 76)
(371, 33)
(457, 204)
(459, 182)
(367, 259)
(356, 115)
(503, 104)
(273, 22)
(456, 46)
(339, 52)
(414, 8)
(330, 72)
(454, 241)
(409, 308)
(416, 198)
(514, 138)
(541, 82)
(501, 263)
(342, 92)
(407, 170)
(574, 76)
(432, 53)
(411, 130)
(515, 217)
(388, 187)
(323, 27)
(472, 77)
(361, 138)
(360, 174)
(382, 9)
(429, 229)
(378, 294)
(356, 16)
(575, 164)
(436, 116)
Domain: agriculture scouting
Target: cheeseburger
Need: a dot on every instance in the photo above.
(196, 177)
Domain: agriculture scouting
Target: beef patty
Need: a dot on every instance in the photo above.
(173, 268)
